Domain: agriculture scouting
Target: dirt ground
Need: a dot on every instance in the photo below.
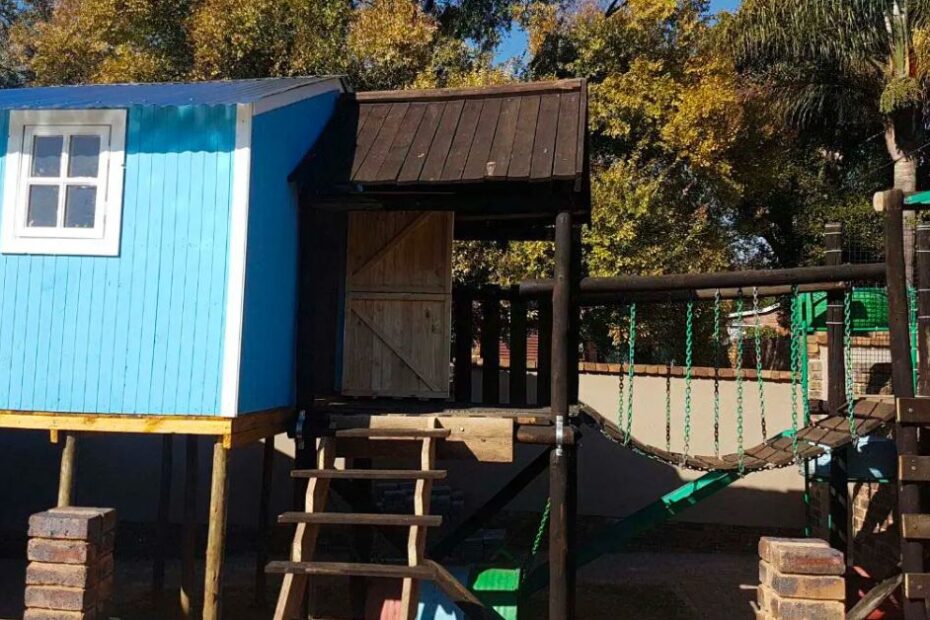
(644, 585)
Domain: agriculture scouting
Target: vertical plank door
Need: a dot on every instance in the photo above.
(398, 324)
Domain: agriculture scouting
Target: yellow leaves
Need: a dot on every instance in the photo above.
(391, 39)
(707, 120)
(540, 20)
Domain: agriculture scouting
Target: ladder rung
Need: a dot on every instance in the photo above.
(915, 526)
(917, 585)
(371, 474)
(393, 433)
(914, 468)
(914, 411)
(347, 568)
(359, 518)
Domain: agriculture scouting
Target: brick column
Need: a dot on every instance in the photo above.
(70, 571)
(800, 579)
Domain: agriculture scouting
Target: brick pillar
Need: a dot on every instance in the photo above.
(70, 571)
(800, 579)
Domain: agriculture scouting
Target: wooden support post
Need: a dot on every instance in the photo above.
(189, 528)
(517, 351)
(163, 516)
(836, 396)
(560, 463)
(216, 534)
(923, 339)
(68, 469)
(464, 334)
(490, 350)
(264, 506)
(544, 353)
(902, 381)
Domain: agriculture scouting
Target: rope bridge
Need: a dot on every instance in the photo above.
(810, 441)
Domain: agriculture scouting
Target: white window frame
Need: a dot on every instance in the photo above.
(103, 239)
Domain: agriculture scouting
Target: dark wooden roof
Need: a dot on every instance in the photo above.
(519, 139)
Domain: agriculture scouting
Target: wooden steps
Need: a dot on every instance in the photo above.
(301, 566)
(370, 474)
(914, 468)
(395, 571)
(355, 518)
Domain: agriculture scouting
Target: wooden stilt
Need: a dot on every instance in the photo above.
(216, 536)
(189, 528)
(163, 514)
(902, 384)
(560, 466)
(264, 505)
(68, 468)
(836, 397)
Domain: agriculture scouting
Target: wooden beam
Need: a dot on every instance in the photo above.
(491, 508)
(917, 586)
(723, 279)
(902, 383)
(68, 470)
(836, 397)
(914, 468)
(264, 506)
(915, 526)
(518, 344)
(216, 535)
(914, 411)
(162, 519)
(560, 561)
(189, 528)
(237, 431)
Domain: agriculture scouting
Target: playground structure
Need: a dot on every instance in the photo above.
(824, 426)
(382, 191)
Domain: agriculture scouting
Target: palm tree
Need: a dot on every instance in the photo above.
(836, 64)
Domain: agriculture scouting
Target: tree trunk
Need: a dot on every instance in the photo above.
(905, 179)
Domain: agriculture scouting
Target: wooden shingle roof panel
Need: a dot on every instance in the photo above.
(515, 133)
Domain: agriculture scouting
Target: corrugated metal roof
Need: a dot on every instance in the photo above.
(225, 92)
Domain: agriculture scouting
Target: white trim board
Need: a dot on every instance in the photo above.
(298, 93)
(238, 246)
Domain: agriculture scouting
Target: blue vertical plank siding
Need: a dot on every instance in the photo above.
(141, 332)
(280, 139)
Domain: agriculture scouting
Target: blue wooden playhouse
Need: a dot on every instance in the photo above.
(149, 236)
(209, 258)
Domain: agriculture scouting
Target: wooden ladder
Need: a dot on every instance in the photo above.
(915, 469)
(301, 566)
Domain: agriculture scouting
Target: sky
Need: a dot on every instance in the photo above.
(514, 43)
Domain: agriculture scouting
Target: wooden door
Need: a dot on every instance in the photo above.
(398, 324)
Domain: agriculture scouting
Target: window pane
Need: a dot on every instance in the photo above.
(46, 156)
(43, 206)
(84, 156)
(80, 205)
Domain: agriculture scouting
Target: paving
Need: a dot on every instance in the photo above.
(646, 585)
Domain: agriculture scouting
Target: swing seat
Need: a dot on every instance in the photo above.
(872, 459)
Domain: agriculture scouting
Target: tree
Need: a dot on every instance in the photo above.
(841, 65)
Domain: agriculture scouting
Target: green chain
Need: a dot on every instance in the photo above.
(739, 380)
(668, 407)
(759, 380)
(847, 359)
(541, 530)
(795, 367)
(630, 375)
(717, 373)
(689, 342)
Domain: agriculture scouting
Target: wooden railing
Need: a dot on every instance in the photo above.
(483, 316)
